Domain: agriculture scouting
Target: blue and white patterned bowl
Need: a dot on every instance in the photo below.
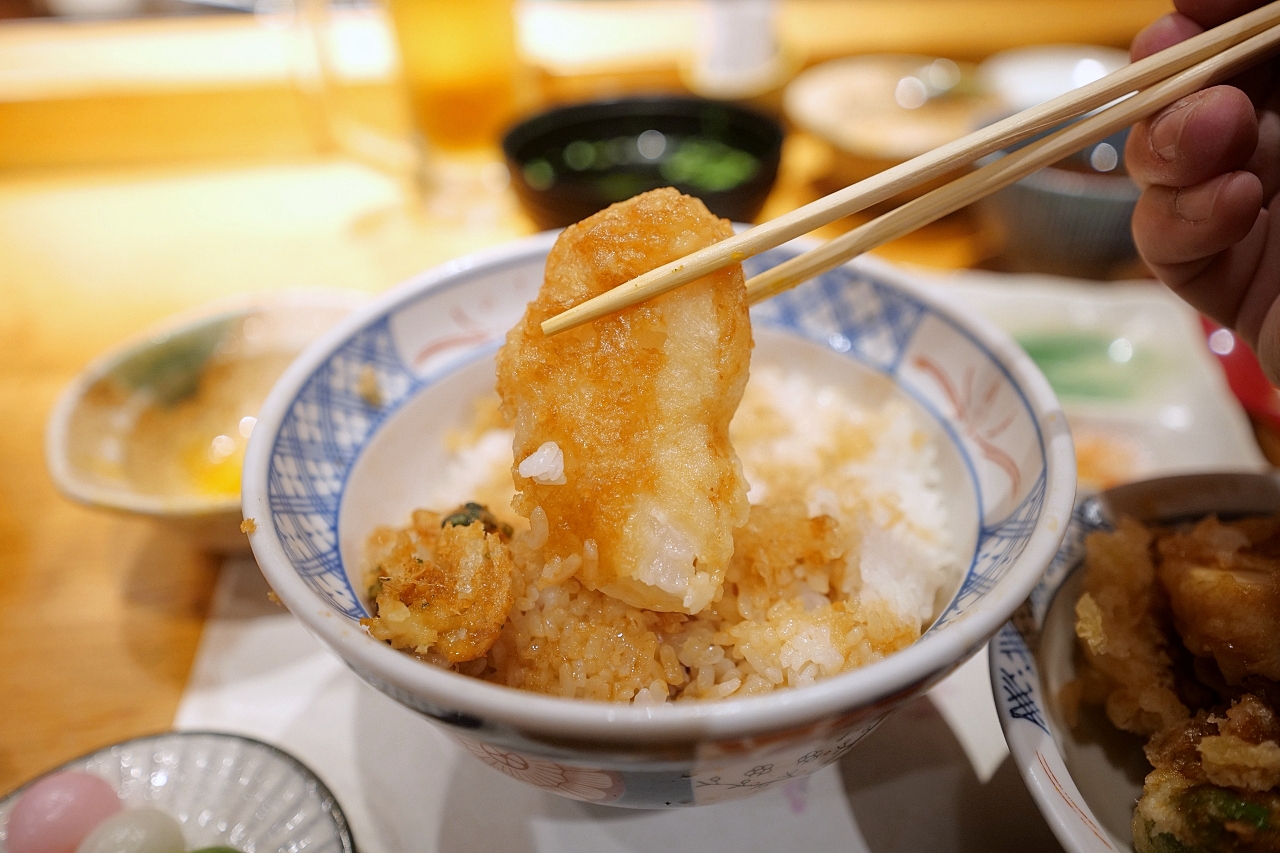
(325, 466)
(223, 789)
(1086, 780)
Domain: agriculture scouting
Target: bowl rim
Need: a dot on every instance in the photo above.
(1022, 61)
(1115, 187)
(339, 817)
(927, 659)
(57, 426)
(531, 127)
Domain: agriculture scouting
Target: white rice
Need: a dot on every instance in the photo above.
(808, 451)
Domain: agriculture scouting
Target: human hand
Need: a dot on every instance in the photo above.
(1209, 168)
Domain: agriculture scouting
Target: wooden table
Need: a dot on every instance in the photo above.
(100, 614)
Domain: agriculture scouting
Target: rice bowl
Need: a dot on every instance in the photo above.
(328, 469)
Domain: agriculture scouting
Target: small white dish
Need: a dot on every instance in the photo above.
(879, 110)
(116, 434)
(1130, 367)
(222, 789)
(887, 107)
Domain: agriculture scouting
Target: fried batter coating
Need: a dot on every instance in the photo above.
(442, 589)
(1176, 815)
(1217, 767)
(773, 626)
(1212, 786)
(1225, 595)
(1119, 620)
(622, 425)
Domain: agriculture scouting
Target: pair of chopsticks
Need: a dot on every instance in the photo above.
(1143, 88)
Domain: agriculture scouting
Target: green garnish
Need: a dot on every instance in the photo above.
(1091, 365)
(1209, 807)
(469, 513)
(539, 174)
(708, 165)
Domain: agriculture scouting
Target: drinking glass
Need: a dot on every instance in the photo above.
(460, 65)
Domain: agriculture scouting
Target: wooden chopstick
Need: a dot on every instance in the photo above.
(1009, 168)
(1208, 47)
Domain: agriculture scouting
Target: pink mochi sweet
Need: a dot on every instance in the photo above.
(56, 813)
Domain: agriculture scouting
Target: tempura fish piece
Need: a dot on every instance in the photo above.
(442, 588)
(622, 425)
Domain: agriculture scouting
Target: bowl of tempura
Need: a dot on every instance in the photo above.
(1137, 687)
(673, 557)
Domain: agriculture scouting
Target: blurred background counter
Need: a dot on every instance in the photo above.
(185, 87)
(149, 165)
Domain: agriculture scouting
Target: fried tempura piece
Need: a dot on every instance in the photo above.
(1224, 589)
(1215, 599)
(1177, 815)
(1211, 789)
(442, 588)
(1118, 618)
(622, 425)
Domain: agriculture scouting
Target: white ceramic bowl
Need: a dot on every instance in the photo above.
(1024, 77)
(324, 467)
(223, 789)
(1072, 218)
(89, 424)
(1086, 780)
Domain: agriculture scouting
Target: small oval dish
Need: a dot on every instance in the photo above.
(1086, 780)
(158, 425)
(878, 110)
(329, 463)
(222, 789)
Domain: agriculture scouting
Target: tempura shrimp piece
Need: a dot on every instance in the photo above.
(622, 425)
(442, 587)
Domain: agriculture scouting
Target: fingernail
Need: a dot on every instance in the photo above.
(1195, 204)
(1166, 133)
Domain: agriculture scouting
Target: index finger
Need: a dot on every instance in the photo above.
(1164, 32)
(1194, 17)
(1210, 13)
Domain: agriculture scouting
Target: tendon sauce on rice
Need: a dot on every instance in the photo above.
(653, 545)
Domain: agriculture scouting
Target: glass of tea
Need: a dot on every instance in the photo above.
(460, 65)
